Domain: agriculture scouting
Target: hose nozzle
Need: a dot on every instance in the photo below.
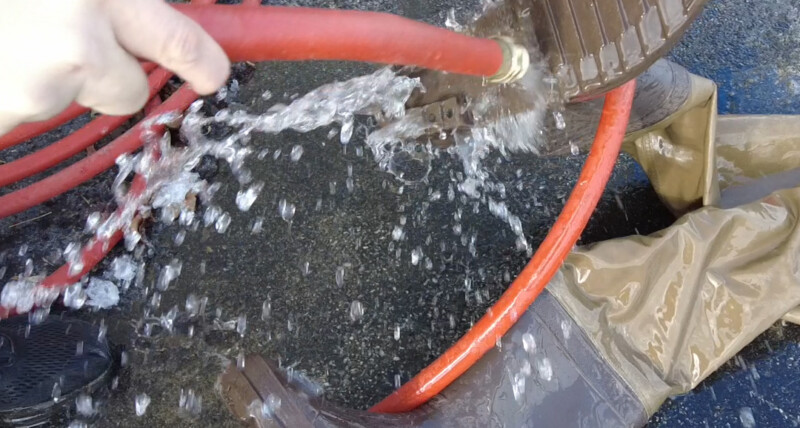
(516, 61)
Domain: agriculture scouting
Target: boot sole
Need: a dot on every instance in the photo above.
(595, 46)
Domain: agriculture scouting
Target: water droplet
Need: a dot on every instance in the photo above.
(398, 233)
(566, 329)
(297, 152)
(397, 332)
(246, 198)
(56, 394)
(347, 129)
(286, 210)
(93, 221)
(518, 386)
(192, 305)
(451, 22)
(416, 255)
(241, 325)
(266, 310)
(140, 403)
(102, 330)
(258, 226)
(76, 267)
(167, 320)
(74, 296)
(746, 417)
(267, 95)
(340, 276)
(271, 406)
(168, 274)
(529, 343)
(123, 268)
(222, 93)
(526, 368)
(189, 403)
(240, 361)
(397, 381)
(83, 404)
(28, 267)
(38, 315)
(211, 214)
(559, 118)
(574, 149)
(754, 372)
(24, 249)
(223, 222)
(179, 237)
(544, 369)
(356, 311)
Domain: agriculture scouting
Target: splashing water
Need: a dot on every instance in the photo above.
(140, 403)
(356, 311)
(171, 186)
(190, 403)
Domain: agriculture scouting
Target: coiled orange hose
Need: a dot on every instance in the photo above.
(539, 271)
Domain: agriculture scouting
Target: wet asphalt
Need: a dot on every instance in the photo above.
(309, 326)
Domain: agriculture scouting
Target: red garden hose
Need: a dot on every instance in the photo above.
(273, 33)
(289, 33)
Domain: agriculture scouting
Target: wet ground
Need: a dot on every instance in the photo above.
(344, 222)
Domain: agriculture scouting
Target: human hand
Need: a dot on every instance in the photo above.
(56, 52)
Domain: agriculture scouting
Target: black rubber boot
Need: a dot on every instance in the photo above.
(44, 367)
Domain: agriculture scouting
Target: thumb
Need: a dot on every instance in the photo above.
(150, 29)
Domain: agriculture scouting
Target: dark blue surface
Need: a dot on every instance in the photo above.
(752, 50)
(764, 379)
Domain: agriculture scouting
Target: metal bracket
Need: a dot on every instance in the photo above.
(445, 116)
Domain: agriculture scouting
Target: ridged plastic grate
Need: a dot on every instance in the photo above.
(49, 355)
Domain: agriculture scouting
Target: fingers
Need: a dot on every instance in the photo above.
(152, 30)
(40, 71)
(114, 83)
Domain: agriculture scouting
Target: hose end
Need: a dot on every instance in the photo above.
(516, 61)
